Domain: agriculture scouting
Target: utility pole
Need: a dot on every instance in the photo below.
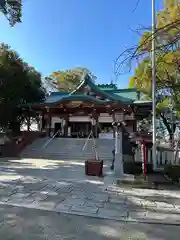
(154, 83)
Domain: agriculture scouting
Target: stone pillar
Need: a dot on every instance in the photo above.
(118, 164)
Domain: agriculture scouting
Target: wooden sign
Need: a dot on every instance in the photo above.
(119, 117)
(74, 104)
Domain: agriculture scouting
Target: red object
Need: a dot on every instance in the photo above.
(94, 168)
(145, 158)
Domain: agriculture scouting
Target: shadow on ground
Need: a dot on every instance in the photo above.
(32, 175)
(26, 224)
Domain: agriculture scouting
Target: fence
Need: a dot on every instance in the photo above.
(163, 156)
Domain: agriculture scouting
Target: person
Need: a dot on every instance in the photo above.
(112, 165)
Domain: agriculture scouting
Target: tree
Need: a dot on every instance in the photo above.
(19, 84)
(167, 87)
(12, 9)
(69, 79)
(167, 72)
(167, 36)
(168, 26)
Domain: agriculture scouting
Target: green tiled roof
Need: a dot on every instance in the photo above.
(97, 90)
(109, 92)
(105, 87)
(129, 93)
(78, 97)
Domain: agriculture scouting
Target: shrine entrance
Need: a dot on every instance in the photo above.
(58, 128)
(79, 129)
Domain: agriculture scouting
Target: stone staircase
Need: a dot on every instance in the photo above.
(69, 149)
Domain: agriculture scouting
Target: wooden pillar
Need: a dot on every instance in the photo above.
(144, 160)
(66, 119)
(49, 122)
(42, 122)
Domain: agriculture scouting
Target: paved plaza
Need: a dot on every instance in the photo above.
(62, 187)
(18, 223)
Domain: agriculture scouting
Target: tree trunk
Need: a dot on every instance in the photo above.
(15, 127)
(28, 124)
(171, 136)
(176, 151)
(171, 129)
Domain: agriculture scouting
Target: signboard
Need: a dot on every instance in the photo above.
(74, 104)
(79, 119)
(119, 117)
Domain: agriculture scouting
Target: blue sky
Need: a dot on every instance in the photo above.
(71, 33)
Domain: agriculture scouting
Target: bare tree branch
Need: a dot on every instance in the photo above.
(136, 6)
(124, 62)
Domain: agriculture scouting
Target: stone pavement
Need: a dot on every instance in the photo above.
(29, 224)
(61, 187)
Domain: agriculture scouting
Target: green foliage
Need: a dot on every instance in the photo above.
(167, 65)
(69, 79)
(173, 172)
(167, 73)
(142, 77)
(19, 84)
(167, 30)
(167, 87)
(12, 9)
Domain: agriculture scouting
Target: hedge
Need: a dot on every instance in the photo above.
(136, 168)
(172, 172)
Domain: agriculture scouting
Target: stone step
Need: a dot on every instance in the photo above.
(67, 158)
(69, 149)
(65, 155)
(68, 152)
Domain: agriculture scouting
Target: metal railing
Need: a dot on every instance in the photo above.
(94, 144)
(49, 140)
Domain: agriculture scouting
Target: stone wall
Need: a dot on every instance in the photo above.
(17, 144)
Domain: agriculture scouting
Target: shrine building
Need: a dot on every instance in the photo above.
(98, 111)
(91, 107)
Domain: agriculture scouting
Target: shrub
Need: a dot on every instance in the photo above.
(172, 172)
(136, 168)
(132, 168)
